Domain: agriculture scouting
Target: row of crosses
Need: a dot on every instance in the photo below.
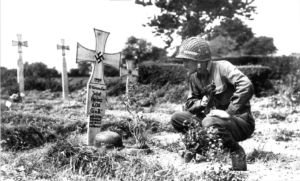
(96, 88)
(129, 72)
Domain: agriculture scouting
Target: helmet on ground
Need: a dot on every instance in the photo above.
(194, 48)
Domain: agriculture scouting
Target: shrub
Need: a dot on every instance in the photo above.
(115, 86)
(259, 77)
(21, 137)
(9, 84)
(260, 154)
(280, 66)
(204, 141)
(17, 135)
(159, 75)
(77, 83)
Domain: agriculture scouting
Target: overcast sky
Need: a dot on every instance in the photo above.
(43, 23)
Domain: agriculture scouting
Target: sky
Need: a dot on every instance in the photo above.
(43, 23)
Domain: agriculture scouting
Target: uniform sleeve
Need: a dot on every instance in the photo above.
(243, 87)
(194, 98)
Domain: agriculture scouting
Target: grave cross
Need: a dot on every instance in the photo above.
(129, 72)
(96, 88)
(64, 74)
(19, 43)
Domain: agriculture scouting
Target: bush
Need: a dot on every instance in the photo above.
(259, 78)
(21, 137)
(115, 86)
(280, 66)
(159, 75)
(17, 135)
(9, 84)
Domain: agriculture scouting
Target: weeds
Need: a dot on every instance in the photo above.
(137, 126)
(220, 172)
(23, 131)
(203, 141)
(260, 154)
(171, 147)
(283, 135)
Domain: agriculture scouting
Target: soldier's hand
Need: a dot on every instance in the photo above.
(202, 103)
(219, 113)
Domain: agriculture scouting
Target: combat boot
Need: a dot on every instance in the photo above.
(238, 158)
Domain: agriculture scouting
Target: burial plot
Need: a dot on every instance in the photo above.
(129, 72)
(19, 43)
(64, 70)
(96, 88)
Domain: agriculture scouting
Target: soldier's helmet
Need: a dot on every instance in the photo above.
(194, 48)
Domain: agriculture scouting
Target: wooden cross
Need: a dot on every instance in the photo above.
(129, 72)
(64, 74)
(19, 43)
(96, 88)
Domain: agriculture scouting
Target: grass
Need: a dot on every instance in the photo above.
(66, 157)
(284, 135)
(261, 155)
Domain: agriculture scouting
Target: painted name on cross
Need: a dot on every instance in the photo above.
(96, 105)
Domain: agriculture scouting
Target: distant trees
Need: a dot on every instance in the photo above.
(229, 37)
(37, 76)
(84, 69)
(39, 70)
(234, 38)
(221, 46)
(141, 50)
(191, 17)
(259, 46)
(9, 84)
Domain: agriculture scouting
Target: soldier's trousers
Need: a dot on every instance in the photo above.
(237, 128)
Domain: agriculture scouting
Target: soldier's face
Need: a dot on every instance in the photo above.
(190, 65)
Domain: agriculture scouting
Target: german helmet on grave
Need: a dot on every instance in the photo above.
(194, 48)
(108, 138)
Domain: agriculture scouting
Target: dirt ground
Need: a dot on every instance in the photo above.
(276, 138)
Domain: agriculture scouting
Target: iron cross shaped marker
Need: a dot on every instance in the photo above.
(96, 88)
(19, 43)
(129, 72)
(64, 74)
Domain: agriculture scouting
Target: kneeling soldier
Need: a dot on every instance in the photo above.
(231, 115)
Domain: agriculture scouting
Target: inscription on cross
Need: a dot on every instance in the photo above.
(19, 43)
(64, 74)
(129, 72)
(96, 88)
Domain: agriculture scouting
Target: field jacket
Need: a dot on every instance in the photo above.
(233, 90)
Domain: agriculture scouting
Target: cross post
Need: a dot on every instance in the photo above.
(96, 88)
(64, 74)
(20, 71)
(129, 72)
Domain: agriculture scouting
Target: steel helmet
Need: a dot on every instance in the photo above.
(194, 48)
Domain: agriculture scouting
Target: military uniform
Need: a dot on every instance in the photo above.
(232, 94)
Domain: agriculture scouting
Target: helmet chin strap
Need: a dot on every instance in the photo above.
(201, 70)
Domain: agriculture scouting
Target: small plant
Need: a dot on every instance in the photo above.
(171, 147)
(283, 135)
(221, 172)
(260, 154)
(137, 126)
(290, 89)
(203, 141)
